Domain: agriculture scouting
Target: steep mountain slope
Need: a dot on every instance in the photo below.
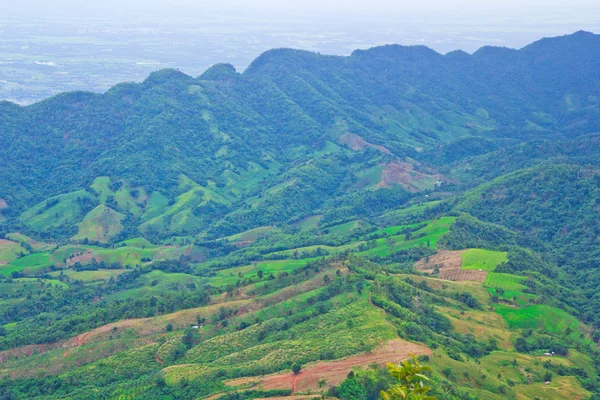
(290, 104)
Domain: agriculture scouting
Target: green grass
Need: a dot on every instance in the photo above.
(504, 281)
(344, 228)
(128, 203)
(521, 299)
(309, 223)
(304, 342)
(480, 259)
(66, 211)
(250, 235)
(370, 177)
(27, 264)
(101, 186)
(156, 206)
(394, 230)
(427, 236)
(232, 275)
(141, 243)
(539, 316)
(157, 282)
(100, 225)
(561, 388)
(178, 217)
(126, 256)
(10, 250)
(90, 276)
(22, 239)
(27, 285)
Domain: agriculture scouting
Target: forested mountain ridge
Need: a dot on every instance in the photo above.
(289, 104)
(186, 238)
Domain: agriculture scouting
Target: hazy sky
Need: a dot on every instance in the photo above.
(450, 11)
(51, 46)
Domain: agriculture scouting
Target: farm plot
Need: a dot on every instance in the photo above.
(539, 316)
(27, 264)
(334, 371)
(480, 259)
(457, 275)
(504, 281)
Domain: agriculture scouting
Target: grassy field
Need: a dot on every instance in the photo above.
(539, 316)
(394, 230)
(140, 243)
(250, 235)
(157, 282)
(328, 333)
(131, 255)
(90, 276)
(27, 285)
(480, 259)
(561, 388)
(100, 225)
(309, 223)
(427, 236)
(24, 239)
(178, 217)
(504, 281)
(10, 250)
(56, 211)
(232, 275)
(28, 264)
(344, 228)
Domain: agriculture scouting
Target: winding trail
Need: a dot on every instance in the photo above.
(78, 341)
(294, 382)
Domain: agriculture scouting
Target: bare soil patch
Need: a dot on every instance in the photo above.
(457, 275)
(403, 174)
(443, 259)
(3, 204)
(357, 143)
(26, 351)
(449, 264)
(83, 258)
(334, 372)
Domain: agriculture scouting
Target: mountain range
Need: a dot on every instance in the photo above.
(449, 205)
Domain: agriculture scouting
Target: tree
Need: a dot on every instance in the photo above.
(296, 368)
(411, 386)
(351, 389)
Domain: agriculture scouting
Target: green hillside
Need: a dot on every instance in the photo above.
(199, 238)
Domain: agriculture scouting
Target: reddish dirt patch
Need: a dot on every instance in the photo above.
(449, 264)
(335, 372)
(3, 204)
(443, 259)
(457, 275)
(145, 327)
(5, 241)
(357, 143)
(29, 350)
(83, 258)
(403, 174)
